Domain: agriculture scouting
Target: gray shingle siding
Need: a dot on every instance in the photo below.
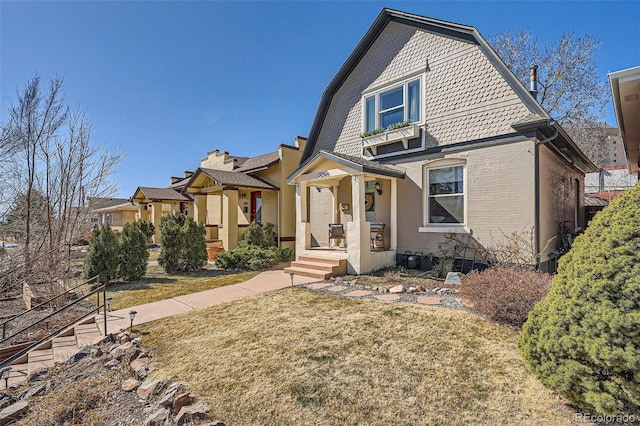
(465, 97)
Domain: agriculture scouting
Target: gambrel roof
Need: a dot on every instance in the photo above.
(462, 69)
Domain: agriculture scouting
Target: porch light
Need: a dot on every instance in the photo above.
(243, 195)
(378, 188)
(132, 315)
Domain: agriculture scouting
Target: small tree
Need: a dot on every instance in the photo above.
(583, 339)
(183, 244)
(102, 255)
(195, 247)
(133, 252)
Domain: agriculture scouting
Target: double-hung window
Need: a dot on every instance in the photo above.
(393, 105)
(445, 195)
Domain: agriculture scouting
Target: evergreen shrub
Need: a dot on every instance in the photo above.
(257, 250)
(583, 339)
(133, 252)
(183, 244)
(102, 255)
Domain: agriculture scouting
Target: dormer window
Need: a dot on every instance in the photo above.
(392, 105)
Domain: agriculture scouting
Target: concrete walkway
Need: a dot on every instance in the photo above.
(261, 283)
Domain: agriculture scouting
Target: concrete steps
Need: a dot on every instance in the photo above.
(58, 349)
(317, 267)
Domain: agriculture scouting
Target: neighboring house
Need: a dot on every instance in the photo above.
(231, 192)
(113, 211)
(480, 158)
(153, 203)
(625, 89)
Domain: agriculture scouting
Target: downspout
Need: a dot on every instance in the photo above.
(279, 235)
(536, 166)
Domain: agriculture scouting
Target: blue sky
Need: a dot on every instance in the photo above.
(165, 82)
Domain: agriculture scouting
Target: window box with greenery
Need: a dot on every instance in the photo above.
(392, 113)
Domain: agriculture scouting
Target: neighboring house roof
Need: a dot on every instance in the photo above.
(607, 195)
(160, 194)
(625, 88)
(355, 163)
(261, 162)
(101, 203)
(118, 207)
(234, 178)
(458, 129)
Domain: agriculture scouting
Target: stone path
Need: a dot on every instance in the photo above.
(448, 299)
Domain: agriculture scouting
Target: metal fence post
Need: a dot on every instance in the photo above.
(104, 306)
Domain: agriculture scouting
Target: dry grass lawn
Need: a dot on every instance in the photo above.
(157, 285)
(300, 357)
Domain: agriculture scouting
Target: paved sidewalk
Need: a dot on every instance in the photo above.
(261, 283)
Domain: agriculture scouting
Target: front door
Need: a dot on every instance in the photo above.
(256, 207)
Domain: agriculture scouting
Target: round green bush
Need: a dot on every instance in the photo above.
(583, 339)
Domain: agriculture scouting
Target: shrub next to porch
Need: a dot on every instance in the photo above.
(257, 250)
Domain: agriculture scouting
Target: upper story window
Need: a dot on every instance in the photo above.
(394, 104)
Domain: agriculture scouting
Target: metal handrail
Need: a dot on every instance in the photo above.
(57, 311)
(24, 351)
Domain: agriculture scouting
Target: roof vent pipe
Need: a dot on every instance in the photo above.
(533, 81)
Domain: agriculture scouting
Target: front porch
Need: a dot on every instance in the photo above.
(346, 209)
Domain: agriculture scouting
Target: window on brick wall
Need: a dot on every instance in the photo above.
(444, 197)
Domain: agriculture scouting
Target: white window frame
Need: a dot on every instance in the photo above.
(377, 92)
(444, 227)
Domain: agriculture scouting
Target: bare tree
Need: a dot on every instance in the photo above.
(54, 169)
(570, 89)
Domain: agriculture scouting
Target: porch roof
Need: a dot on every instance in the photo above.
(234, 178)
(355, 163)
(158, 194)
(260, 162)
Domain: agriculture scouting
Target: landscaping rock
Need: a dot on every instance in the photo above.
(148, 388)
(82, 353)
(420, 288)
(6, 400)
(182, 400)
(123, 337)
(157, 418)
(140, 366)
(13, 412)
(411, 290)
(35, 391)
(130, 385)
(215, 423)
(191, 413)
(453, 278)
(169, 395)
(37, 374)
(396, 289)
(114, 363)
(95, 352)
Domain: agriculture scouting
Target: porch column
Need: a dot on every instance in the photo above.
(393, 226)
(156, 211)
(200, 208)
(336, 210)
(358, 232)
(229, 232)
(303, 233)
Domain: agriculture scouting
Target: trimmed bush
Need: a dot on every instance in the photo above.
(102, 255)
(133, 252)
(505, 295)
(257, 251)
(183, 244)
(583, 339)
